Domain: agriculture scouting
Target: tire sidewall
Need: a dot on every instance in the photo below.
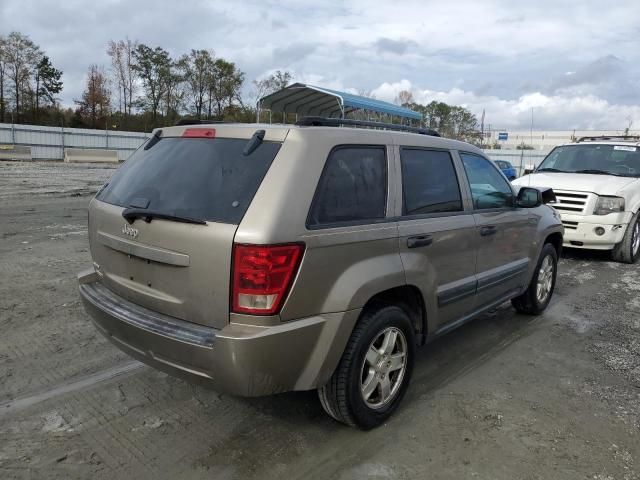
(547, 251)
(365, 416)
(632, 226)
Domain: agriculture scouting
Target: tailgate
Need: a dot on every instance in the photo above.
(175, 265)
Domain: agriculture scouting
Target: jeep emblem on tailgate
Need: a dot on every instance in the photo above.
(127, 230)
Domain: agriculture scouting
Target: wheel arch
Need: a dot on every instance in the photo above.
(555, 239)
(410, 299)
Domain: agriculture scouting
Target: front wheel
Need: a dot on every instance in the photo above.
(374, 371)
(538, 295)
(628, 250)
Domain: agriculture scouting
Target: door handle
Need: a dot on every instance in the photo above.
(419, 241)
(488, 230)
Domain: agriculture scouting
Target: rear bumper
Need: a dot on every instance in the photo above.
(245, 360)
(580, 230)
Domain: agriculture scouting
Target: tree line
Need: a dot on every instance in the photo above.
(29, 82)
(145, 87)
(451, 121)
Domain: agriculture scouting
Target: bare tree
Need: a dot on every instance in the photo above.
(366, 93)
(404, 98)
(4, 60)
(96, 98)
(629, 125)
(124, 72)
(22, 58)
(274, 82)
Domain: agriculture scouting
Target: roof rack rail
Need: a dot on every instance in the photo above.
(337, 122)
(195, 121)
(597, 138)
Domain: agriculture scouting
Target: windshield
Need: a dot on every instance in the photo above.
(194, 178)
(621, 160)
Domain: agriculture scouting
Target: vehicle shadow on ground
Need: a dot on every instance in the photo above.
(300, 425)
(586, 255)
(438, 363)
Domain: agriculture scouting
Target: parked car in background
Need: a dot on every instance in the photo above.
(597, 184)
(262, 259)
(508, 169)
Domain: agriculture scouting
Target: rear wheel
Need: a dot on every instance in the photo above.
(374, 371)
(538, 295)
(628, 250)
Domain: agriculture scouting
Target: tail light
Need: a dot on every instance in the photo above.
(262, 276)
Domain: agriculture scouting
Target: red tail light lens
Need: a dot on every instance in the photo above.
(199, 133)
(262, 276)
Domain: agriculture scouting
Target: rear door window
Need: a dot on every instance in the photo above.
(352, 188)
(429, 182)
(202, 178)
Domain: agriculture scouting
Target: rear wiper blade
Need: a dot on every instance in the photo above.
(595, 171)
(130, 214)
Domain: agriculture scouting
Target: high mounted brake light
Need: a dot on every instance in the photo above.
(199, 133)
(262, 276)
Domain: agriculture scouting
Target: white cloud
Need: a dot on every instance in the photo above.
(563, 112)
(500, 55)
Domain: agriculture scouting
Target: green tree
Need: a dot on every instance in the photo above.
(451, 121)
(225, 83)
(197, 70)
(173, 100)
(48, 84)
(154, 67)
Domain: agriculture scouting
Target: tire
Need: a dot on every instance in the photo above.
(530, 302)
(628, 250)
(342, 397)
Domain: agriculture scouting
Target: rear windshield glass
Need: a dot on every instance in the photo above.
(202, 178)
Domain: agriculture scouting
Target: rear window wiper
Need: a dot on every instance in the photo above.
(130, 214)
(254, 142)
(595, 171)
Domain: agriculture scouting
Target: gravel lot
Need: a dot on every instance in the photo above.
(504, 397)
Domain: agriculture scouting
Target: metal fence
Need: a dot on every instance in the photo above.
(48, 143)
(520, 159)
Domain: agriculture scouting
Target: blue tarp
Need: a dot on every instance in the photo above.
(304, 99)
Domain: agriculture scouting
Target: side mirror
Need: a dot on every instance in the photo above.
(529, 197)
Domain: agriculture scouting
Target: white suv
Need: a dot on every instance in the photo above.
(597, 184)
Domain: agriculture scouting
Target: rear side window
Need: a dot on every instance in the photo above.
(202, 178)
(352, 188)
(429, 182)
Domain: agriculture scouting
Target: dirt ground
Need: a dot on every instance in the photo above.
(504, 397)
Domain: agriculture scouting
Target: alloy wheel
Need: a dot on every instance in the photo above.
(545, 279)
(383, 368)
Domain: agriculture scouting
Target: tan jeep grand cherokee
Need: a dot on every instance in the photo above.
(263, 258)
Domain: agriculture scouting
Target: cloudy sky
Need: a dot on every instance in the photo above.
(576, 63)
